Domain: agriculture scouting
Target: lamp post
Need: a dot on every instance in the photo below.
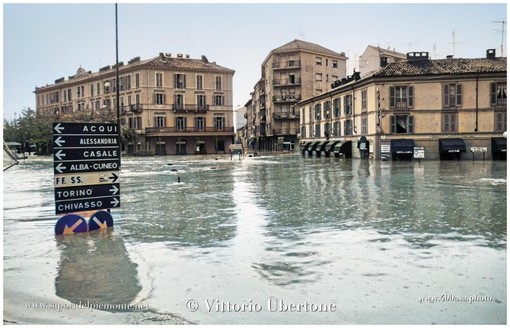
(117, 96)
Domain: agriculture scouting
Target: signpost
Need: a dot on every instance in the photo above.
(86, 160)
(482, 150)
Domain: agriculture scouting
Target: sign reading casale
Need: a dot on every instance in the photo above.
(86, 159)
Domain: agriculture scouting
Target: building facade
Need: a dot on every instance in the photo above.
(374, 58)
(433, 109)
(297, 70)
(169, 104)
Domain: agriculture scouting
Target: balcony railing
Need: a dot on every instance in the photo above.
(131, 109)
(193, 107)
(290, 64)
(194, 129)
(285, 131)
(286, 115)
(285, 82)
(287, 98)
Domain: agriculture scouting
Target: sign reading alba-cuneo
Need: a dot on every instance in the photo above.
(86, 160)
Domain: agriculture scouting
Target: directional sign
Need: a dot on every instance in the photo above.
(85, 179)
(70, 224)
(86, 159)
(100, 220)
(62, 167)
(84, 141)
(97, 153)
(86, 204)
(87, 191)
(85, 128)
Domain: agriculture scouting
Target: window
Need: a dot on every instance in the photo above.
(452, 96)
(317, 130)
(318, 111)
(327, 130)
(336, 129)
(348, 127)
(450, 122)
(303, 132)
(159, 98)
(402, 124)
(218, 100)
(364, 125)
(219, 122)
(200, 123)
(336, 106)
(179, 101)
(327, 109)
(334, 63)
(218, 83)
(348, 105)
(159, 80)
(160, 120)
(318, 60)
(135, 123)
(500, 124)
(201, 101)
(401, 97)
(180, 81)
(318, 77)
(498, 94)
(364, 99)
(137, 80)
(92, 90)
(180, 123)
(200, 82)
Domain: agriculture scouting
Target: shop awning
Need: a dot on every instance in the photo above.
(453, 145)
(321, 146)
(330, 146)
(342, 148)
(314, 145)
(499, 145)
(307, 145)
(402, 146)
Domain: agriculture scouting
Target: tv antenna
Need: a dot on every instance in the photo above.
(502, 22)
(453, 42)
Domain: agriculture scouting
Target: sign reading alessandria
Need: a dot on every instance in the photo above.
(86, 161)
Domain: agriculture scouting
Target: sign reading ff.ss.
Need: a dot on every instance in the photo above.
(86, 159)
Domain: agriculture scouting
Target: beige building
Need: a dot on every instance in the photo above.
(447, 108)
(297, 70)
(374, 58)
(170, 104)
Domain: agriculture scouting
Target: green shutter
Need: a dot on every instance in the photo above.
(410, 124)
(410, 97)
(459, 95)
(393, 120)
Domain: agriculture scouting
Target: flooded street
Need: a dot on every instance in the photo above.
(267, 240)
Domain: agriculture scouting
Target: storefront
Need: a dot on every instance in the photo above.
(451, 148)
(499, 148)
(402, 149)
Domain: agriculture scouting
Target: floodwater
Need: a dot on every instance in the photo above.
(267, 240)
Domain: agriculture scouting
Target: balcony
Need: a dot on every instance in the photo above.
(286, 131)
(137, 108)
(286, 98)
(290, 64)
(286, 115)
(177, 131)
(287, 82)
(192, 107)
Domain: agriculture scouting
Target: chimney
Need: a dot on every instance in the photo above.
(417, 56)
(356, 76)
(204, 59)
(449, 57)
(491, 53)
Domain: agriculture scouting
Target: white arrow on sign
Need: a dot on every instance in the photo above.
(114, 190)
(60, 168)
(59, 154)
(59, 141)
(115, 202)
(59, 128)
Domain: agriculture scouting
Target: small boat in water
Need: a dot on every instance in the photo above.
(9, 158)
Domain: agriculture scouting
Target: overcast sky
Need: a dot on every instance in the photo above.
(43, 42)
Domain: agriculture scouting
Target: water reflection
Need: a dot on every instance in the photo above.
(96, 268)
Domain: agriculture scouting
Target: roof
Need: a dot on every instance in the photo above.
(443, 67)
(388, 52)
(307, 46)
(163, 61)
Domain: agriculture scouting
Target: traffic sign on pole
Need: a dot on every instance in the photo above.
(86, 160)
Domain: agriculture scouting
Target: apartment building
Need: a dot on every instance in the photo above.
(450, 108)
(170, 104)
(374, 58)
(297, 70)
